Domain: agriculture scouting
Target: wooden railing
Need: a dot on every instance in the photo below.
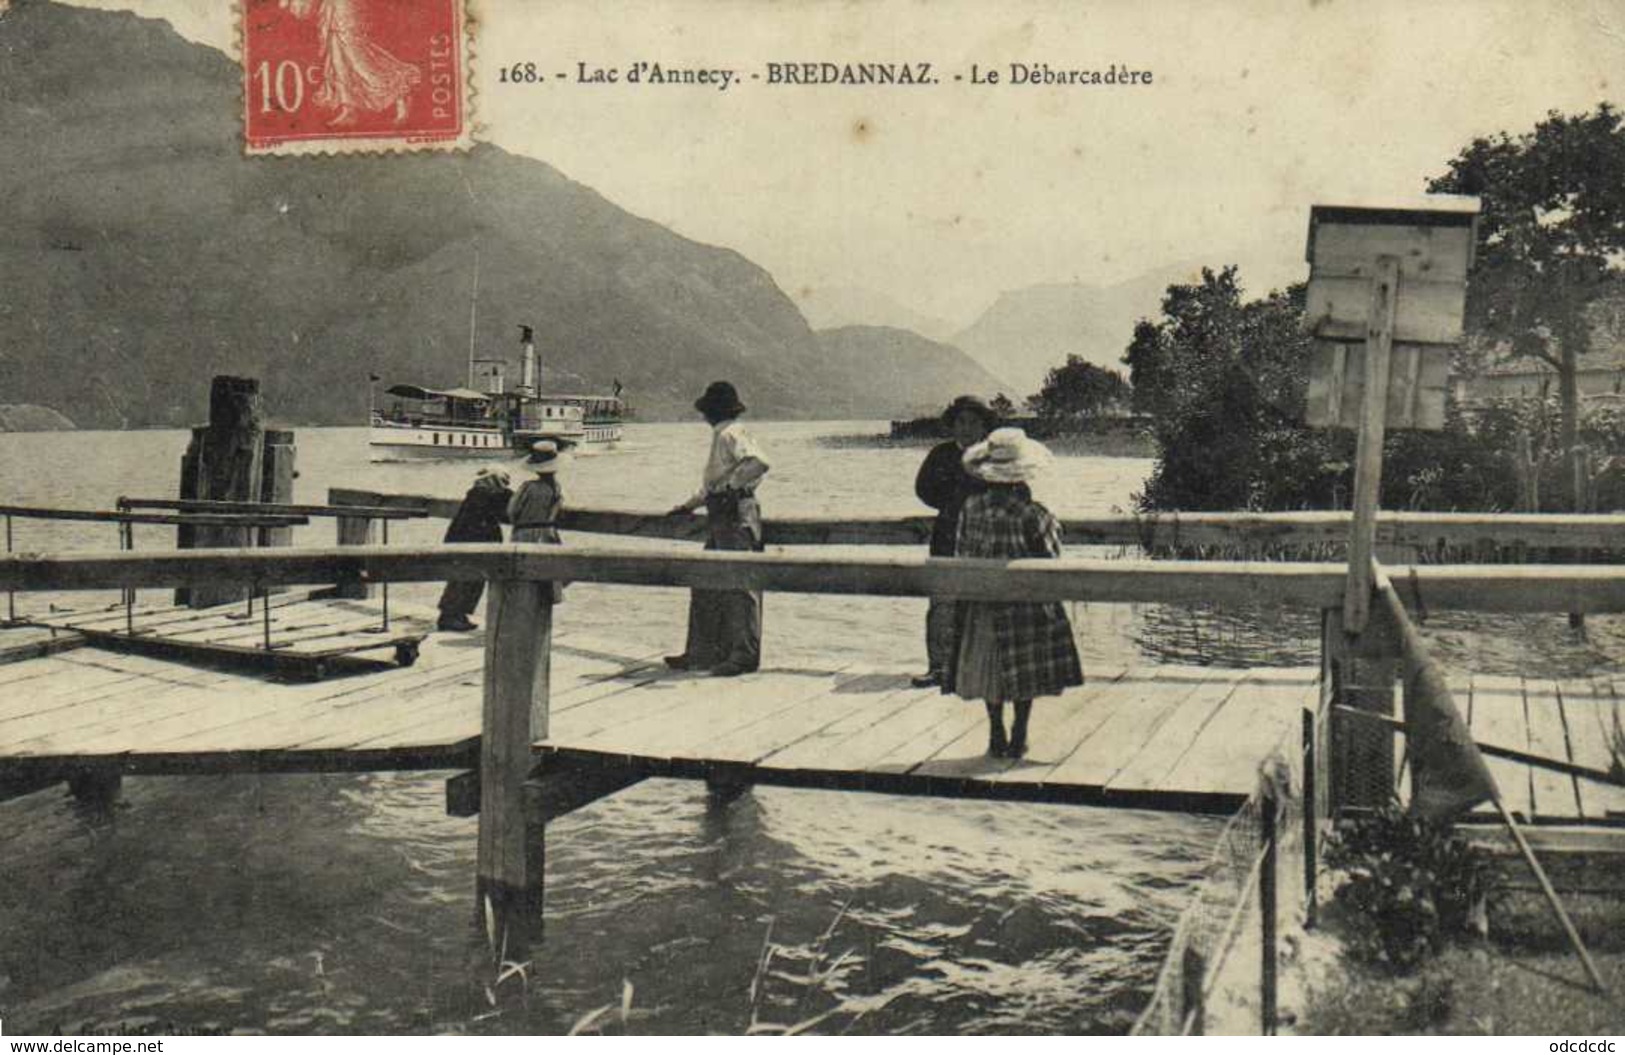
(1490, 588)
(1425, 531)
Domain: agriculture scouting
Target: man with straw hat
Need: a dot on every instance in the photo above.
(1009, 651)
(725, 626)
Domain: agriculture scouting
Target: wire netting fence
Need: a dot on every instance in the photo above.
(1219, 974)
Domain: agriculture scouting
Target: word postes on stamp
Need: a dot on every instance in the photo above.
(347, 76)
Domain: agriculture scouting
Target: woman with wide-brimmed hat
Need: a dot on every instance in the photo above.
(725, 626)
(1009, 651)
(534, 511)
(943, 483)
(479, 519)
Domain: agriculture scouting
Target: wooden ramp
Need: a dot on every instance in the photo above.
(1576, 720)
(21, 641)
(290, 633)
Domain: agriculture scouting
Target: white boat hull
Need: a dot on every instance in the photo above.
(406, 443)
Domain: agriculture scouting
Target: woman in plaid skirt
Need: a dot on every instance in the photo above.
(1009, 651)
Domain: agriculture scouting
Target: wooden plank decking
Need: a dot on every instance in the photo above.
(1157, 737)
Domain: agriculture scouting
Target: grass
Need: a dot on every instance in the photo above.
(1524, 981)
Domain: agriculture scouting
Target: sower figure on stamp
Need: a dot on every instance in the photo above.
(944, 484)
(725, 626)
(478, 519)
(1009, 651)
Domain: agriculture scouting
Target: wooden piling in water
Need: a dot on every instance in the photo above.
(518, 651)
(225, 460)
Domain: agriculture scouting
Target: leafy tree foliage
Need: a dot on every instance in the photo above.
(1076, 391)
(1550, 244)
(1224, 381)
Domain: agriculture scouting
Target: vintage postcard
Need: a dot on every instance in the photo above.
(812, 517)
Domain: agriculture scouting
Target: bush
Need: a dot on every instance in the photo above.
(1408, 886)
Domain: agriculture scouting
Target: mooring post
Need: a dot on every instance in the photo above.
(518, 650)
(226, 462)
(276, 481)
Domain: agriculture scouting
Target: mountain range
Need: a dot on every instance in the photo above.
(1028, 331)
(143, 253)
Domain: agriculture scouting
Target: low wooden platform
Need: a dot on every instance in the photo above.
(1159, 738)
(302, 637)
(1154, 737)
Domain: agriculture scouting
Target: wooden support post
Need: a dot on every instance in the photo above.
(11, 595)
(1379, 346)
(1361, 673)
(1193, 992)
(723, 787)
(1311, 825)
(96, 787)
(226, 462)
(1268, 808)
(518, 650)
(355, 531)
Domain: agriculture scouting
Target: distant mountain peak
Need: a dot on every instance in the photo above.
(144, 251)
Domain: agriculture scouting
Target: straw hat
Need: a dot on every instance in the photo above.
(544, 457)
(496, 478)
(1007, 456)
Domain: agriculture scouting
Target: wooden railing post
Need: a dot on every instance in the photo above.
(518, 649)
(1361, 673)
(355, 531)
(1311, 825)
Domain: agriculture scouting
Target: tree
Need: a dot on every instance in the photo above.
(1223, 380)
(1076, 391)
(1550, 239)
(1002, 406)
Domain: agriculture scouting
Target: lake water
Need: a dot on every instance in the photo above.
(343, 904)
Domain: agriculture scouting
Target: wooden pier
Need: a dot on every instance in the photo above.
(543, 725)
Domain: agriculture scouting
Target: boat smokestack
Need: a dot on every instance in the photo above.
(527, 369)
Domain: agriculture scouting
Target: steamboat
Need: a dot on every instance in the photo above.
(429, 424)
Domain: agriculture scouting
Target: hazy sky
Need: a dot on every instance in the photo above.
(941, 197)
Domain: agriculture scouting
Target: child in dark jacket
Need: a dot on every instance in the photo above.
(478, 519)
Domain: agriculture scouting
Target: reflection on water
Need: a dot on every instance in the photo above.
(343, 904)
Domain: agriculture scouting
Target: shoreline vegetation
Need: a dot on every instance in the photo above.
(1126, 436)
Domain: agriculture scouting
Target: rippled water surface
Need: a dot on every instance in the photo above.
(344, 903)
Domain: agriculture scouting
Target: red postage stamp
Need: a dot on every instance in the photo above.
(345, 76)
